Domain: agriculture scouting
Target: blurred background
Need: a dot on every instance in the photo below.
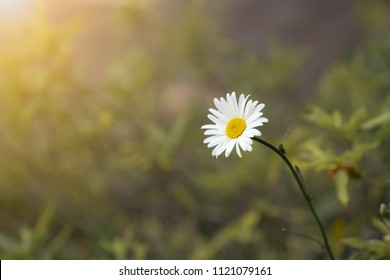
(101, 104)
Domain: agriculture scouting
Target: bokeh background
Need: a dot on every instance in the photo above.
(101, 104)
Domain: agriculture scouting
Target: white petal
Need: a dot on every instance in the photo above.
(218, 138)
(219, 115)
(213, 153)
(223, 107)
(238, 150)
(234, 104)
(241, 105)
(250, 109)
(214, 132)
(220, 148)
(264, 120)
(255, 123)
(216, 120)
(254, 132)
(243, 145)
(247, 108)
(210, 126)
(214, 140)
(259, 107)
(247, 133)
(251, 132)
(245, 139)
(254, 116)
(231, 101)
(229, 147)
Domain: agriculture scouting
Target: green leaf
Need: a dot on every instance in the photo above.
(241, 230)
(353, 123)
(320, 117)
(377, 248)
(381, 225)
(341, 180)
(316, 156)
(377, 121)
(337, 119)
(359, 150)
(354, 242)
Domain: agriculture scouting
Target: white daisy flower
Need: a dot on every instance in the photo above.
(234, 124)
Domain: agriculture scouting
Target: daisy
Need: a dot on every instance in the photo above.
(234, 124)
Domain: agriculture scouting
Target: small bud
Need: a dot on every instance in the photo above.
(384, 210)
(332, 170)
(282, 150)
(351, 170)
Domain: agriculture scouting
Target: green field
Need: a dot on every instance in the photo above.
(101, 147)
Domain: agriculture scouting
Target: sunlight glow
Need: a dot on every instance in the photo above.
(11, 10)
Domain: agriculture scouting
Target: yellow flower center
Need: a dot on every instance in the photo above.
(235, 127)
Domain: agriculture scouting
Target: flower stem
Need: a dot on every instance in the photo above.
(298, 178)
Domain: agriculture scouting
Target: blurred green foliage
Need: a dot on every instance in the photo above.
(116, 169)
(352, 143)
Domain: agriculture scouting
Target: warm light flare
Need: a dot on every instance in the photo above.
(14, 9)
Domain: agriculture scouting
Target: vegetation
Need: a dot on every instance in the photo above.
(116, 168)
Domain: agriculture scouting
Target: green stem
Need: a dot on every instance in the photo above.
(301, 185)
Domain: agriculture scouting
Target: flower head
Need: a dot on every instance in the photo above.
(234, 124)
